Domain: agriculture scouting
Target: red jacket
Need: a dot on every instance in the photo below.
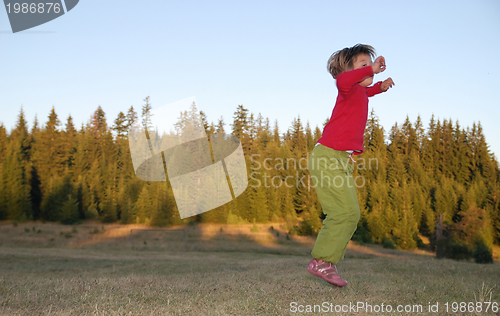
(347, 125)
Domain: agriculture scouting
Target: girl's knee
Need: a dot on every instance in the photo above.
(348, 216)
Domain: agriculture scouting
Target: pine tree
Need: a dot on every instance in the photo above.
(251, 131)
(120, 126)
(378, 215)
(57, 192)
(317, 134)
(276, 134)
(287, 207)
(482, 160)
(326, 122)
(164, 207)
(3, 141)
(35, 129)
(131, 117)
(447, 140)
(273, 201)
(48, 155)
(309, 138)
(143, 207)
(16, 166)
(204, 121)
(82, 158)
(374, 133)
(298, 142)
(108, 207)
(98, 124)
(68, 139)
(430, 147)
(259, 206)
(146, 115)
(219, 129)
(241, 127)
(16, 184)
(410, 144)
(459, 160)
(35, 191)
(407, 227)
(474, 226)
(3, 172)
(3, 196)
(69, 211)
(420, 135)
(21, 136)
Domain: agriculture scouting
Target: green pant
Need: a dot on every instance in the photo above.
(331, 175)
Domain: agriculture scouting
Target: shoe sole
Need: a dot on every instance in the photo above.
(320, 275)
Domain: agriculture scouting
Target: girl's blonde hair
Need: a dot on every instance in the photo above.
(343, 60)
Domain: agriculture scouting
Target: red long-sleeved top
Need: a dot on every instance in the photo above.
(347, 124)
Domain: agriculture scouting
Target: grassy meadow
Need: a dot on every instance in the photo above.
(96, 269)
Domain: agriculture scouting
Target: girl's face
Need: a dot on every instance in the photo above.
(363, 60)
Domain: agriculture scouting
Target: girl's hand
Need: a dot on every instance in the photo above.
(379, 65)
(386, 84)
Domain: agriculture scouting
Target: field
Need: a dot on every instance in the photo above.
(95, 269)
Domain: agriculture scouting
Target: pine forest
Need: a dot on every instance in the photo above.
(410, 179)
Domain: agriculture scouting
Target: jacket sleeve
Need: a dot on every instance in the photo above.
(373, 90)
(346, 80)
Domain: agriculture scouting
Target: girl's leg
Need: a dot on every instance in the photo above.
(334, 184)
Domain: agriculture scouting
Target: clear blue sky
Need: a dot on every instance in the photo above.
(269, 56)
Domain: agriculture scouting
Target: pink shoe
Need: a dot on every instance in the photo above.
(327, 271)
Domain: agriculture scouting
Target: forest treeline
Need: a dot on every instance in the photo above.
(406, 178)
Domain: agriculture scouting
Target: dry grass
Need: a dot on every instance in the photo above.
(233, 272)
